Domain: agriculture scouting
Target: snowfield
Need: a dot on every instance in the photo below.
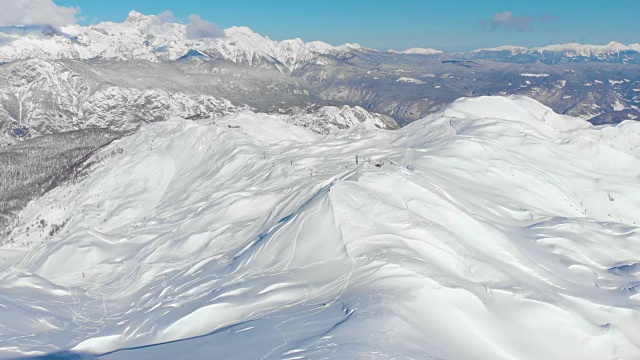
(495, 229)
(410, 80)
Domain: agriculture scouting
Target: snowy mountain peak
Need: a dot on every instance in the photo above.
(616, 44)
(576, 48)
(417, 51)
(557, 53)
(135, 16)
(511, 48)
(355, 47)
(147, 37)
(240, 31)
(585, 50)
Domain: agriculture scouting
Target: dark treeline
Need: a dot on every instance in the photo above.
(32, 167)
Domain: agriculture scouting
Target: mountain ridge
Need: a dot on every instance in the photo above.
(561, 53)
(154, 38)
(149, 37)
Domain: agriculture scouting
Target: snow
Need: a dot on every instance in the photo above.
(140, 36)
(9, 257)
(327, 119)
(410, 80)
(534, 75)
(417, 51)
(493, 229)
(618, 106)
(586, 50)
(38, 83)
(512, 49)
(570, 49)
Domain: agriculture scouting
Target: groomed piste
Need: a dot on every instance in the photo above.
(495, 229)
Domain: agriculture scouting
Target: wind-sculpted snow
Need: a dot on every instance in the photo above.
(495, 229)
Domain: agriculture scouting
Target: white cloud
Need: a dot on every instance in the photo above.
(165, 17)
(200, 29)
(510, 21)
(36, 12)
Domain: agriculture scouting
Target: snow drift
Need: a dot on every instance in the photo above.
(495, 229)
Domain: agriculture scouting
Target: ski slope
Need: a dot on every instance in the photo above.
(495, 229)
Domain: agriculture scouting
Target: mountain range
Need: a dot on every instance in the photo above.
(554, 54)
(153, 38)
(574, 79)
(148, 37)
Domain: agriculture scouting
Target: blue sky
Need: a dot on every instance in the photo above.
(449, 25)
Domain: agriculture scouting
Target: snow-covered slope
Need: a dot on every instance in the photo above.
(329, 119)
(150, 37)
(495, 229)
(41, 97)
